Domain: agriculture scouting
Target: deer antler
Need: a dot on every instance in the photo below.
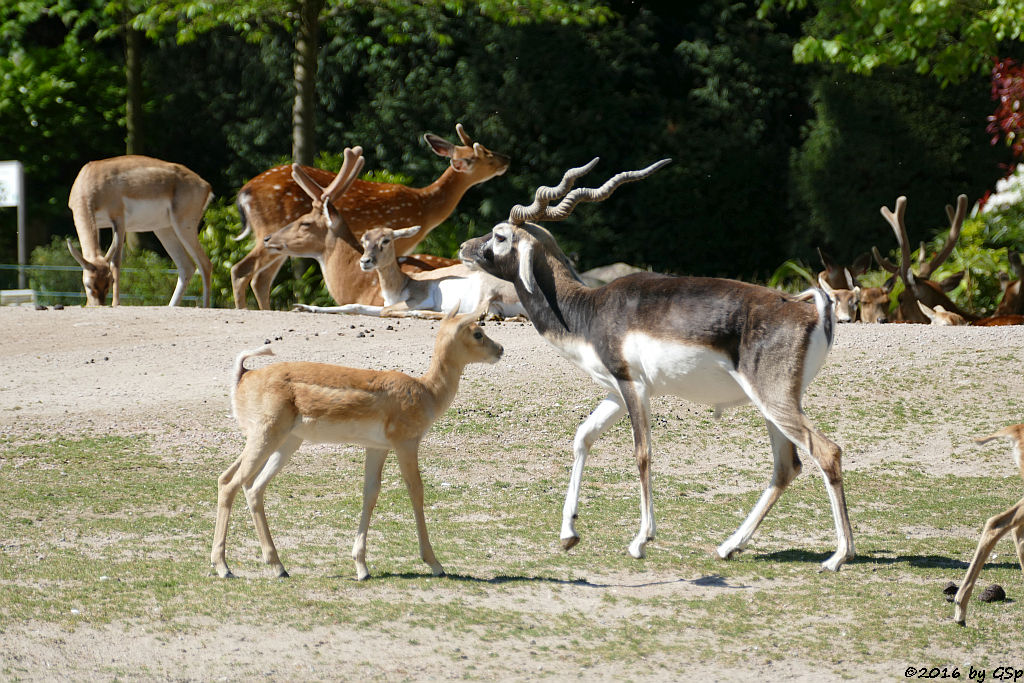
(896, 221)
(956, 222)
(541, 211)
(351, 165)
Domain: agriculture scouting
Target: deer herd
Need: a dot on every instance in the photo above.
(713, 341)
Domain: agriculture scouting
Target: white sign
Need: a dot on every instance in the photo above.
(10, 183)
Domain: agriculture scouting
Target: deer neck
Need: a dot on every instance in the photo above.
(346, 282)
(392, 281)
(440, 198)
(442, 378)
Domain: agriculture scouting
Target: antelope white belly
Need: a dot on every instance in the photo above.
(690, 371)
(368, 433)
(583, 355)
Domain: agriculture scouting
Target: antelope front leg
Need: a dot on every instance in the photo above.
(607, 412)
(407, 462)
(371, 489)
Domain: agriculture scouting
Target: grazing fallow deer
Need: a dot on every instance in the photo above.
(995, 528)
(917, 287)
(138, 194)
(708, 340)
(273, 200)
(281, 405)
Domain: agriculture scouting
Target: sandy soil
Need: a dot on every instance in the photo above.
(165, 372)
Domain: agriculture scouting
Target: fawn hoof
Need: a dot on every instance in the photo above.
(283, 574)
(570, 542)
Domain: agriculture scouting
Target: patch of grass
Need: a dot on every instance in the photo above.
(104, 530)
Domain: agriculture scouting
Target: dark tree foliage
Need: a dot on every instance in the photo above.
(708, 84)
(876, 138)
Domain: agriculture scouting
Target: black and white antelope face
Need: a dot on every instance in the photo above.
(508, 252)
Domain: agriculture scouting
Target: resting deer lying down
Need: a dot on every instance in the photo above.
(283, 404)
(425, 295)
(995, 528)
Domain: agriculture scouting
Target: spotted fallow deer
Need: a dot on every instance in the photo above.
(281, 405)
(995, 528)
(323, 234)
(138, 194)
(713, 341)
(274, 199)
(917, 286)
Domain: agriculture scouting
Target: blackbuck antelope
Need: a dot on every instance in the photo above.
(281, 405)
(995, 528)
(428, 294)
(274, 199)
(917, 286)
(138, 194)
(713, 341)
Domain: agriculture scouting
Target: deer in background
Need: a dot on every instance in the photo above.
(323, 234)
(283, 404)
(917, 286)
(842, 277)
(708, 340)
(1012, 302)
(138, 194)
(430, 294)
(995, 528)
(273, 200)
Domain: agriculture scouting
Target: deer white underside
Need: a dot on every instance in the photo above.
(368, 433)
(140, 215)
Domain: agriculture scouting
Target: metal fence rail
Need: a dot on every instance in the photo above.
(9, 268)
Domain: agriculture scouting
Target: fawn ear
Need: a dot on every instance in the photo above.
(525, 248)
(407, 232)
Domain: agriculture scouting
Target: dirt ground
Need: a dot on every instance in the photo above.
(164, 372)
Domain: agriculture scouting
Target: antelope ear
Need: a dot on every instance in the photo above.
(526, 266)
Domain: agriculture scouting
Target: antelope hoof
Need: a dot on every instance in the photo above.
(283, 574)
(570, 542)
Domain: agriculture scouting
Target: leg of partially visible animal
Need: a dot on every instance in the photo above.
(603, 417)
(786, 467)
(1018, 542)
(263, 279)
(186, 267)
(409, 465)
(259, 446)
(995, 528)
(242, 274)
(254, 497)
(375, 458)
(635, 396)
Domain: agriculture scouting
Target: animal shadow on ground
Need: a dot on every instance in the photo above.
(712, 580)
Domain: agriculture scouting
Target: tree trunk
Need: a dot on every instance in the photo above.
(133, 104)
(133, 74)
(307, 49)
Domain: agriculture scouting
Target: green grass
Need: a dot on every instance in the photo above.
(105, 530)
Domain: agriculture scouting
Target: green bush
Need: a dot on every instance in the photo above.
(145, 277)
